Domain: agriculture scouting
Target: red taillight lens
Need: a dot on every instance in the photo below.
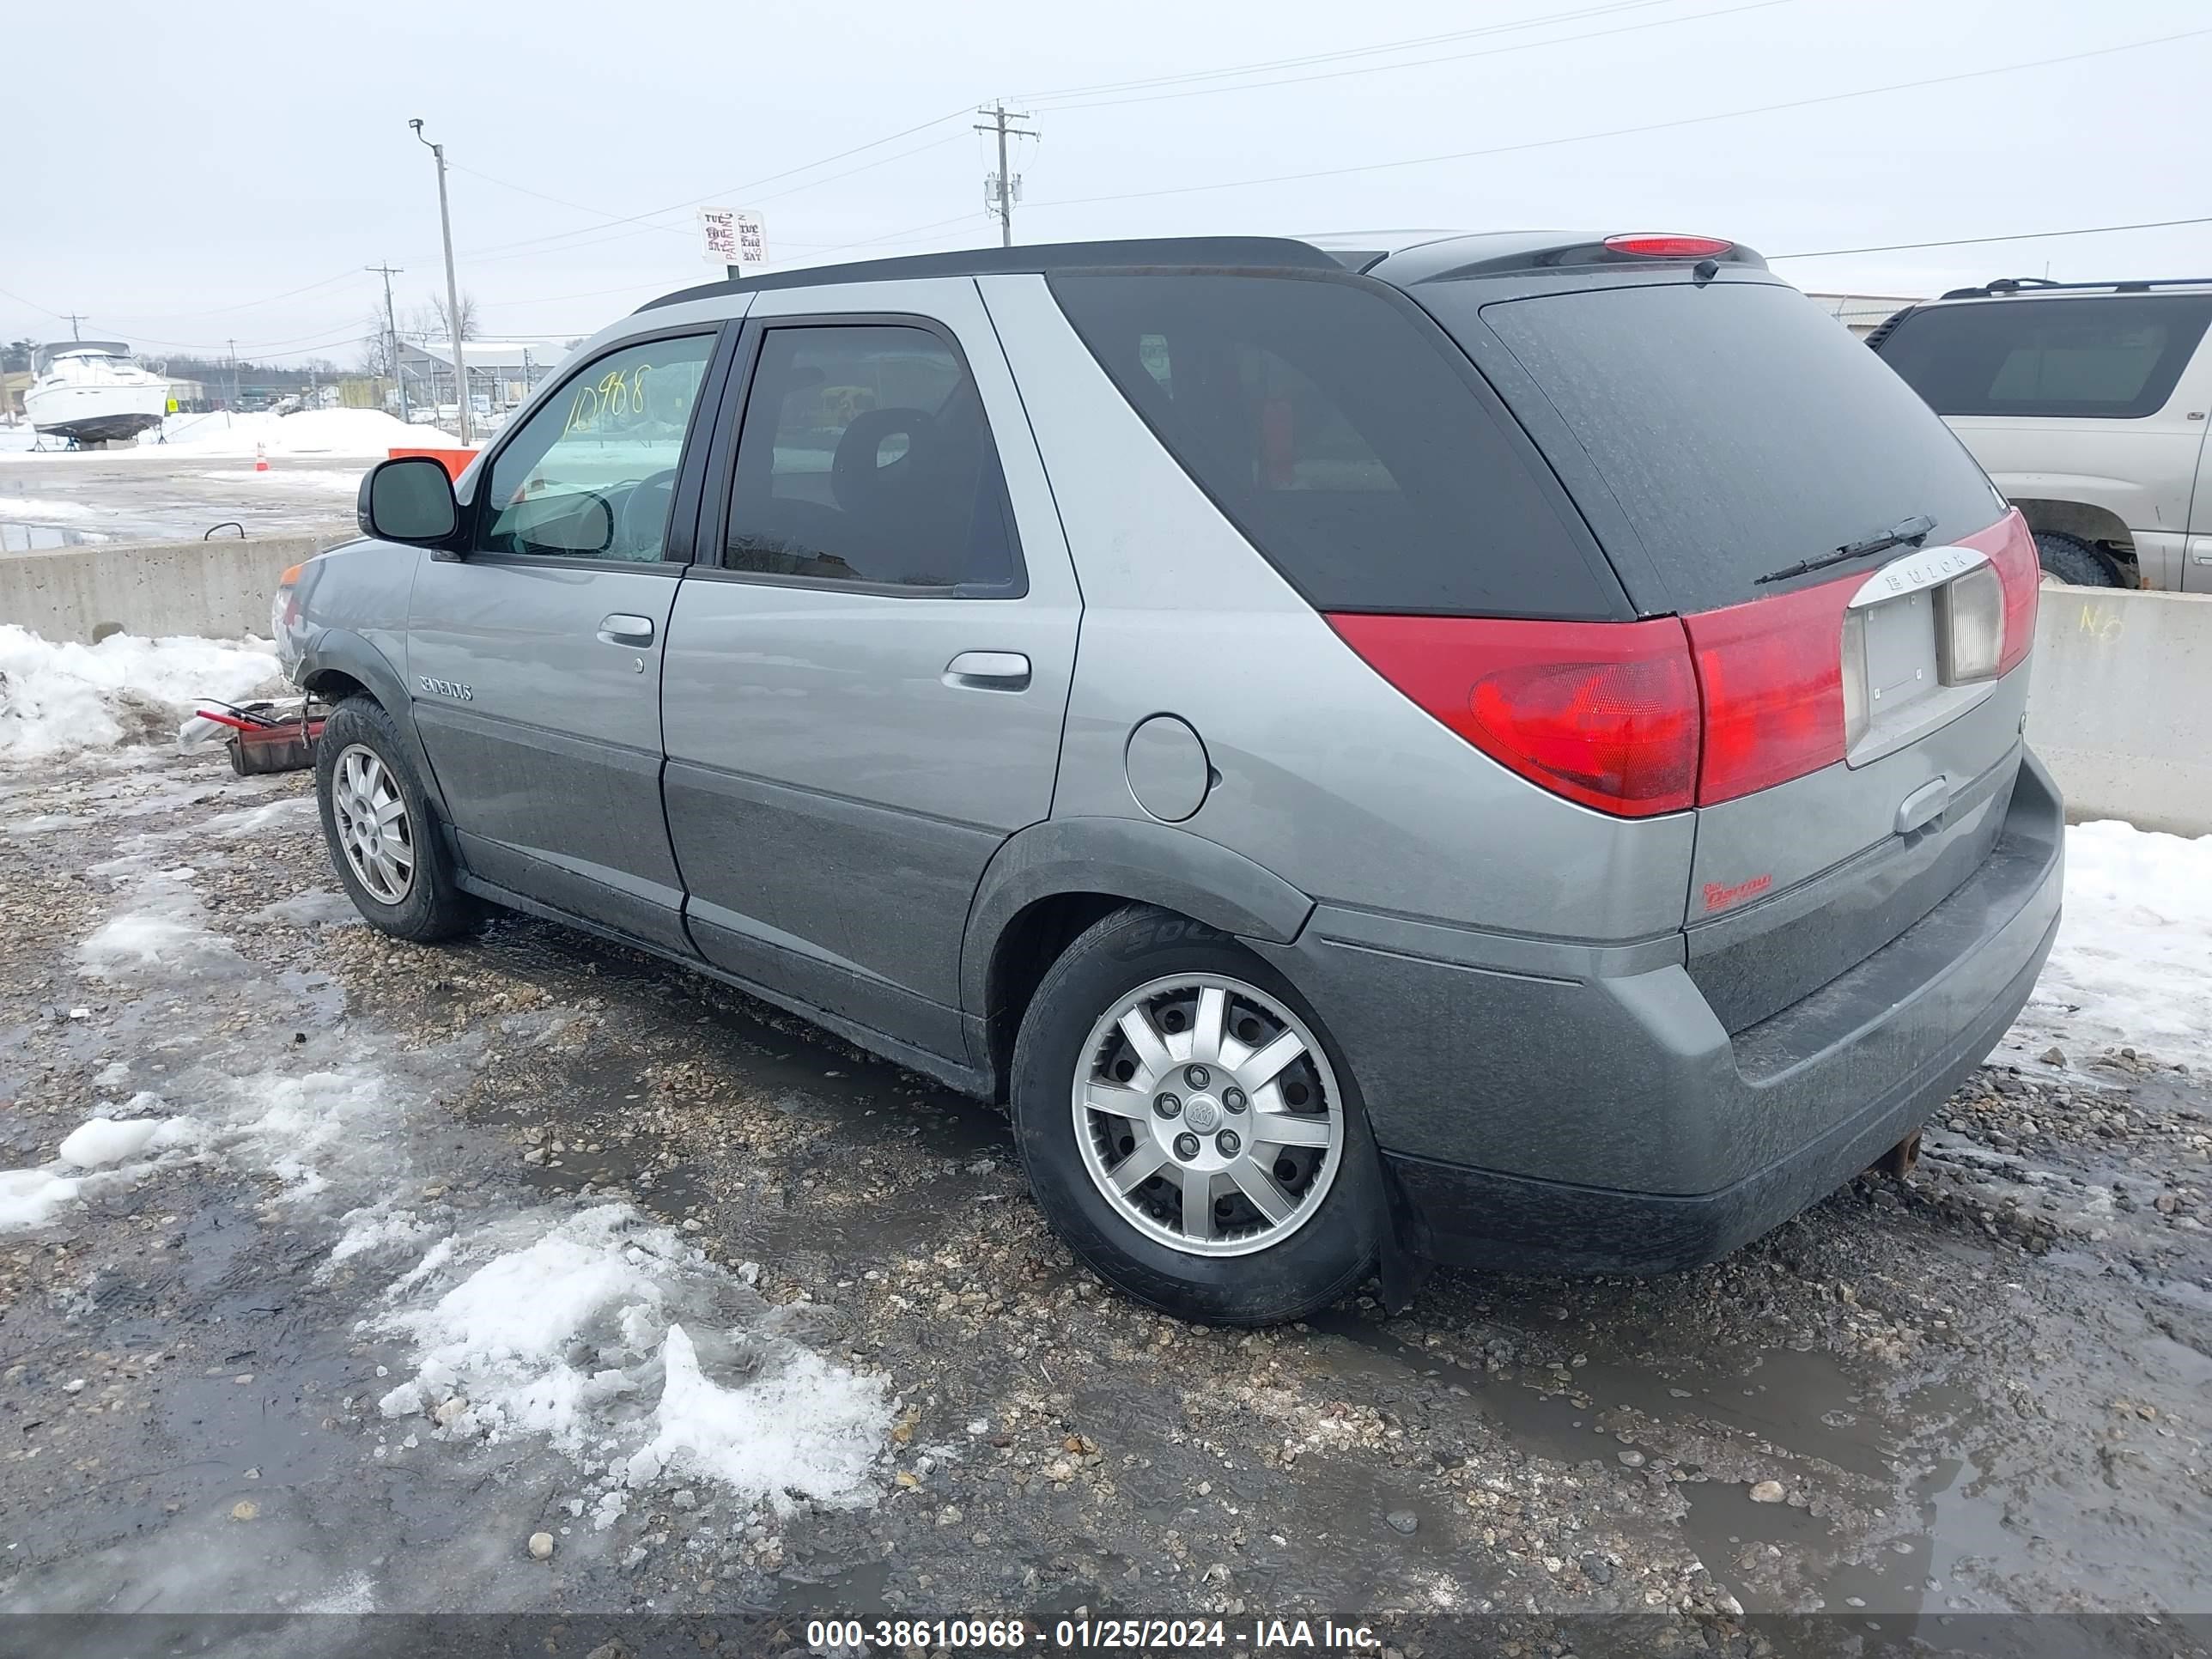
(1771, 673)
(1659, 244)
(1605, 713)
(2011, 547)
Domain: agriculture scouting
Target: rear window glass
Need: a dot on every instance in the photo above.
(2115, 358)
(1337, 435)
(1740, 427)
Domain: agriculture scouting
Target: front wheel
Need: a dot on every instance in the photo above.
(1190, 1130)
(378, 825)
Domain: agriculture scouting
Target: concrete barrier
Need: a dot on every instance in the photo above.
(219, 588)
(2121, 705)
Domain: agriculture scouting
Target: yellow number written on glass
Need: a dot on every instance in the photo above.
(604, 402)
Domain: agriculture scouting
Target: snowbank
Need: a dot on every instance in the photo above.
(59, 697)
(367, 432)
(2133, 963)
(38, 509)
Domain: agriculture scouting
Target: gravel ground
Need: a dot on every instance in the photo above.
(1984, 1391)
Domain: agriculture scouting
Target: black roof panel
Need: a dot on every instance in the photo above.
(1231, 252)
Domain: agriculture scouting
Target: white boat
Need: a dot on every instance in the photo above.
(93, 391)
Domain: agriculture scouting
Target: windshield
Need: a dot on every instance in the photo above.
(1739, 427)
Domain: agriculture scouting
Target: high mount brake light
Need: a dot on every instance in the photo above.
(1640, 717)
(1662, 245)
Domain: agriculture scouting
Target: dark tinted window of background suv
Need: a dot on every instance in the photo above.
(1336, 435)
(2115, 358)
(1738, 426)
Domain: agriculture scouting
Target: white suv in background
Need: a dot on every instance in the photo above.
(2086, 403)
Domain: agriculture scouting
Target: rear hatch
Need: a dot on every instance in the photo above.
(1861, 713)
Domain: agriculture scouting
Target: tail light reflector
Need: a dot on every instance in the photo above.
(1605, 713)
(1771, 675)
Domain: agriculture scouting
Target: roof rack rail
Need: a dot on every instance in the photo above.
(2043, 284)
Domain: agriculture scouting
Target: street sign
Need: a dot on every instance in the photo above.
(734, 238)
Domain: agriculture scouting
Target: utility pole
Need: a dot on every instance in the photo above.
(233, 375)
(452, 288)
(1001, 188)
(392, 333)
(74, 320)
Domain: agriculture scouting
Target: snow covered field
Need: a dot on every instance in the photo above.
(348, 432)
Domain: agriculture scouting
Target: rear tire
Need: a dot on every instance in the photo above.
(1266, 1200)
(385, 842)
(2069, 559)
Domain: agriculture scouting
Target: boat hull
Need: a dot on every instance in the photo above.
(96, 414)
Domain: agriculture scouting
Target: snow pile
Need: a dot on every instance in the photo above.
(30, 1198)
(56, 697)
(366, 432)
(2133, 962)
(36, 507)
(569, 1329)
(104, 1141)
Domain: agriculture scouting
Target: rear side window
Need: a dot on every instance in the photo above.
(2114, 358)
(866, 457)
(1740, 427)
(1336, 435)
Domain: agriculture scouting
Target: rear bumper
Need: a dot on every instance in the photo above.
(1606, 1121)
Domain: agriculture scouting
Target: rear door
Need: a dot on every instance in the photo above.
(1726, 440)
(868, 671)
(534, 653)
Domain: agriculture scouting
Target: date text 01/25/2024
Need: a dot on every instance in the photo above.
(1086, 1635)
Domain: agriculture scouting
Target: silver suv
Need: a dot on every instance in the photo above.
(1493, 748)
(2086, 403)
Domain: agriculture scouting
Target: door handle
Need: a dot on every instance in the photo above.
(989, 670)
(623, 629)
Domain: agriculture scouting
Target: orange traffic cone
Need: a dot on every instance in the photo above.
(260, 457)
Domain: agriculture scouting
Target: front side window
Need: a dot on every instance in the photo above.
(866, 457)
(591, 474)
(2115, 358)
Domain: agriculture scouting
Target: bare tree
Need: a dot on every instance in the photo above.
(375, 346)
(471, 322)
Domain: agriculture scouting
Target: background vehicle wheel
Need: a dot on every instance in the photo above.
(2072, 560)
(1190, 1128)
(384, 842)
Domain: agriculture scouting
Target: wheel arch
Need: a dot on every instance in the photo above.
(342, 664)
(2083, 520)
(1048, 883)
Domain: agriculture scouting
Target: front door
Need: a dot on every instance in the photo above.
(534, 656)
(864, 692)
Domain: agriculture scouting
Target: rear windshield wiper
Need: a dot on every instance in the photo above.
(1908, 532)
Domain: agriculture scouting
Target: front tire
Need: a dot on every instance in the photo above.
(383, 838)
(2069, 559)
(1190, 1128)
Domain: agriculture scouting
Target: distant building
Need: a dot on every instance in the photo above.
(501, 374)
(1862, 314)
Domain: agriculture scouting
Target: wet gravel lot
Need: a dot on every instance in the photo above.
(1984, 1391)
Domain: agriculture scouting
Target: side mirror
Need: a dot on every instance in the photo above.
(408, 499)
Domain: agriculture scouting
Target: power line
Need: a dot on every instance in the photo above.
(1054, 94)
(1974, 241)
(1629, 131)
(1423, 63)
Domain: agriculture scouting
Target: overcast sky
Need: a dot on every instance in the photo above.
(172, 170)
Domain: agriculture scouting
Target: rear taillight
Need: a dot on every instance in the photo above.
(1605, 713)
(2011, 547)
(1770, 672)
(1640, 717)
